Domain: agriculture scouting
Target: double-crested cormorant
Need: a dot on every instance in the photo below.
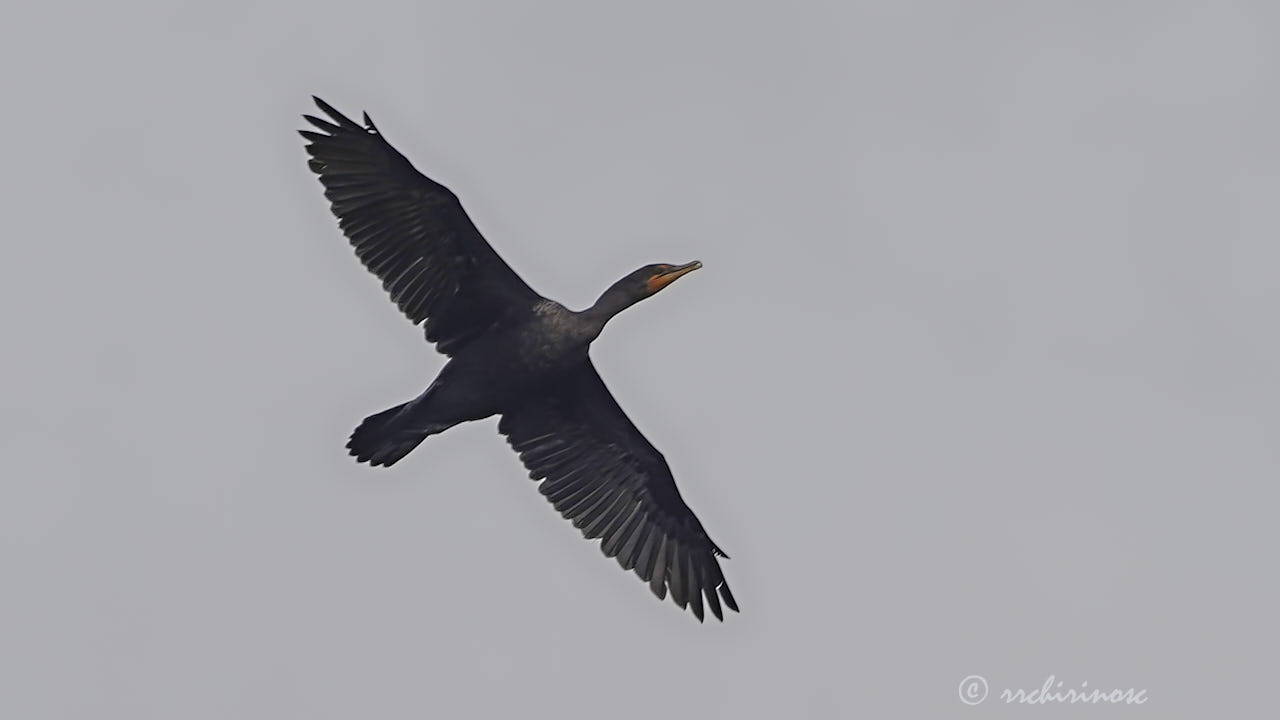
(516, 354)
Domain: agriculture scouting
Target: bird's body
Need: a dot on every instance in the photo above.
(515, 354)
(487, 377)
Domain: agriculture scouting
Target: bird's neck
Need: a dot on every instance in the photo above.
(605, 308)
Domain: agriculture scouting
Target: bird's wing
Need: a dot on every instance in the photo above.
(413, 234)
(604, 476)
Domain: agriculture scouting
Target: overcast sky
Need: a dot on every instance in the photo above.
(981, 376)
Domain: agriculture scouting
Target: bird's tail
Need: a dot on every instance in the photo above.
(384, 438)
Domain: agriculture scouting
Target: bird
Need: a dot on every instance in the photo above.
(515, 354)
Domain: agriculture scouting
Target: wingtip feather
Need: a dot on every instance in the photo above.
(727, 597)
(332, 112)
(714, 603)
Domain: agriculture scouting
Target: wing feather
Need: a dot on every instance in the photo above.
(602, 475)
(412, 233)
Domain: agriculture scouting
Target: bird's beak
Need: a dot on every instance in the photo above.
(657, 282)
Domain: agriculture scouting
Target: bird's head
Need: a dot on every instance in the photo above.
(638, 285)
(652, 278)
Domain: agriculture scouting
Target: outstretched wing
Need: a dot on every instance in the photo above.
(413, 234)
(602, 474)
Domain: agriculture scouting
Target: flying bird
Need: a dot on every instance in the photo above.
(516, 354)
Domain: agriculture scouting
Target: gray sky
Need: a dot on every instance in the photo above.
(981, 376)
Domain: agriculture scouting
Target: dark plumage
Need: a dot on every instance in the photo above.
(515, 354)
